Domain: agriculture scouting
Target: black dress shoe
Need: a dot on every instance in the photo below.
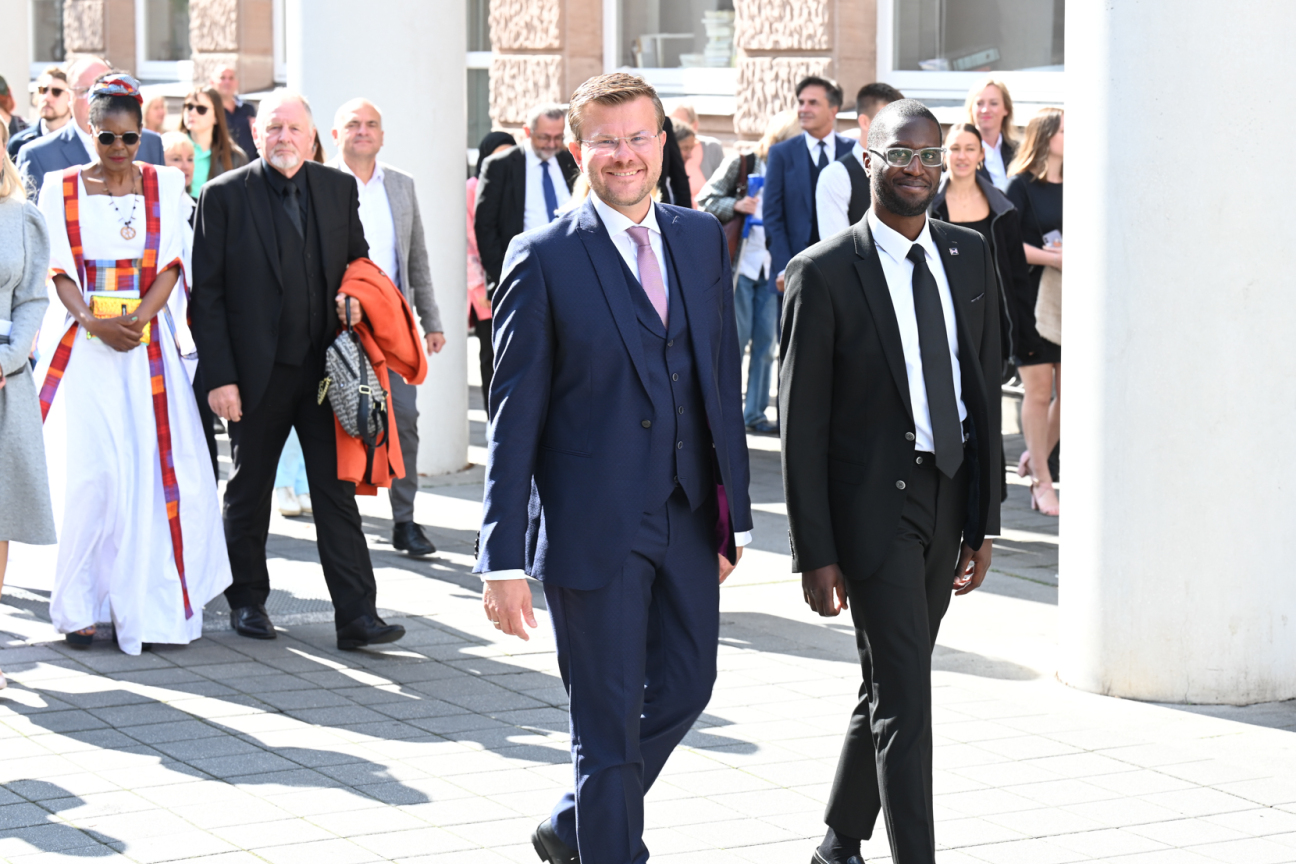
(367, 630)
(820, 858)
(253, 622)
(410, 539)
(550, 848)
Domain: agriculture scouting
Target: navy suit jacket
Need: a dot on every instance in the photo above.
(63, 149)
(568, 442)
(788, 199)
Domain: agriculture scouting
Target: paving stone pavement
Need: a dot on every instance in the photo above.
(451, 745)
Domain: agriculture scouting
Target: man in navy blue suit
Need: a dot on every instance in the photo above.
(792, 173)
(72, 144)
(618, 472)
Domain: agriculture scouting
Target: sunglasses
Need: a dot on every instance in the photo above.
(56, 92)
(194, 106)
(107, 139)
(901, 157)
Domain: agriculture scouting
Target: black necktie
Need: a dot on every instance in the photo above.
(293, 208)
(820, 164)
(938, 368)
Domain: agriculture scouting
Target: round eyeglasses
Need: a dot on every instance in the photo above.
(130, 139)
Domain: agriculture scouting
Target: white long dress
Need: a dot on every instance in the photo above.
(116, 558)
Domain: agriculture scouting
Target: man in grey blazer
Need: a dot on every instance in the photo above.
(393, 228)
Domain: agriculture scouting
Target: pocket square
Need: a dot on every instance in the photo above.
(980, 296)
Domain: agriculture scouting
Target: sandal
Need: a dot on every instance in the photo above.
(81, 638)
(1044, 499)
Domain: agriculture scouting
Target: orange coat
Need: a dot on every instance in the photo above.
(391, 339)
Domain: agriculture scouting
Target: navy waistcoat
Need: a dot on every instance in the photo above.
(680, 449)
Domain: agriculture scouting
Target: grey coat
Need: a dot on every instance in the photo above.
(25, 513)
(411, 245)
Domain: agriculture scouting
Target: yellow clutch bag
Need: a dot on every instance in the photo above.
(114, 304)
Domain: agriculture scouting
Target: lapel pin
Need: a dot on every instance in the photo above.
(953, 250)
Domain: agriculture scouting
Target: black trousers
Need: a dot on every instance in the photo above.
(486, 356)
(886, 759)
(256, 441)
(207, 417)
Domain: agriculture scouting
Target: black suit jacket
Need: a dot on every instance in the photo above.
(847, 424)
(501, 205)
(674, 181)
(238, 286)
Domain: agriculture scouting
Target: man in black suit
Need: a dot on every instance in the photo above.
(271, 242)
(522, 189)
(891, 451)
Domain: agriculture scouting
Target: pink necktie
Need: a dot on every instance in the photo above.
(650, 275)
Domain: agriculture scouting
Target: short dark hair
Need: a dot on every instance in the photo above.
(872, 97)
(895, 115)
(831, 87)
(102, 106)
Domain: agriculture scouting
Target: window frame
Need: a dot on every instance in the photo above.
(1045, 87)
(278, 26)
(156, 70)
(711, 89)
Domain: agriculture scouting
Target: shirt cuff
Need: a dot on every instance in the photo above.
(501, 575)
(743, 538)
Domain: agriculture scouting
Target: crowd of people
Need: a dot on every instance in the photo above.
(163, 282)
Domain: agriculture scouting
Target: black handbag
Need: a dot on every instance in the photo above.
(354, 392)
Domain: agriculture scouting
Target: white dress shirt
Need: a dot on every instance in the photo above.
(833, 195)
(534, 214)
(830, 147)
(379, 225)
(617, 224)
(898, 270)
(995, 165)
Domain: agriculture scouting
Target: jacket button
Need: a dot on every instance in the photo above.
(681, 409)
(909, 436)
(679, 445)
(670, 344)
(647, 424)
(900, 484)
(918, 460)
(675, 377)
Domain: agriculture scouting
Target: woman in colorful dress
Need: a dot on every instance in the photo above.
(141, 543)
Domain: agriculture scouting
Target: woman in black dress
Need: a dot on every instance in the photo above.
(1036, 191)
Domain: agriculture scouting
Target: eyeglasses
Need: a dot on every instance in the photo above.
(193, 106)
(640, 143)
(107, 139)
(56, 92)
(901, 157)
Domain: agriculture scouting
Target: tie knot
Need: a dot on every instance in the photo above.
(917, 254)
(639, 234)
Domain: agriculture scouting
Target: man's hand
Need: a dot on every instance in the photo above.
(357, 313)
(726, 568)
(508, 603)
(435, 342)
(225, 403)
(779, 283)
(972, 567)
(819, 585)
(745, 205)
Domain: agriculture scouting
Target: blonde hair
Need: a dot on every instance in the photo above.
(11, 185)
(1006, 129)
(1032, 158)
(175, 138)
(778, 129)
(616, 88)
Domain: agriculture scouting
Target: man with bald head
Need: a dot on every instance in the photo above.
(271, 242)
(394, 230)
(72, 144)
(239, 115)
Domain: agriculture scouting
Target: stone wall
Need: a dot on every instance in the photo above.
(543, 50)
(105, 28)
(525, 25)
(520, 81)
(236, 33)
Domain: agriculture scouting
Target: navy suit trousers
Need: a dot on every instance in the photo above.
(638, 659)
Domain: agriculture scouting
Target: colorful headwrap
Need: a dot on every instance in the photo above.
(118, 85)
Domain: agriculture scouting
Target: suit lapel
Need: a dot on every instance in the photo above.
(258, 191)
(401, 218)
(955, 275)
(321, 212)
(73, 150)
(607, 268)
(878, 295)
(805, 173)
(691, 293)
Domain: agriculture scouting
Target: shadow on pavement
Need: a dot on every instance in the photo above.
(37, 825)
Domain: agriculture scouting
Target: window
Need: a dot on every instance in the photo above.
(479, 61)
(939, 47)
(46, 33)
(668, 34)
(162, 40)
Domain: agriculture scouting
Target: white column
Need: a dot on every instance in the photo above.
(15, 52)
(1179, 531)
(407, 57)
